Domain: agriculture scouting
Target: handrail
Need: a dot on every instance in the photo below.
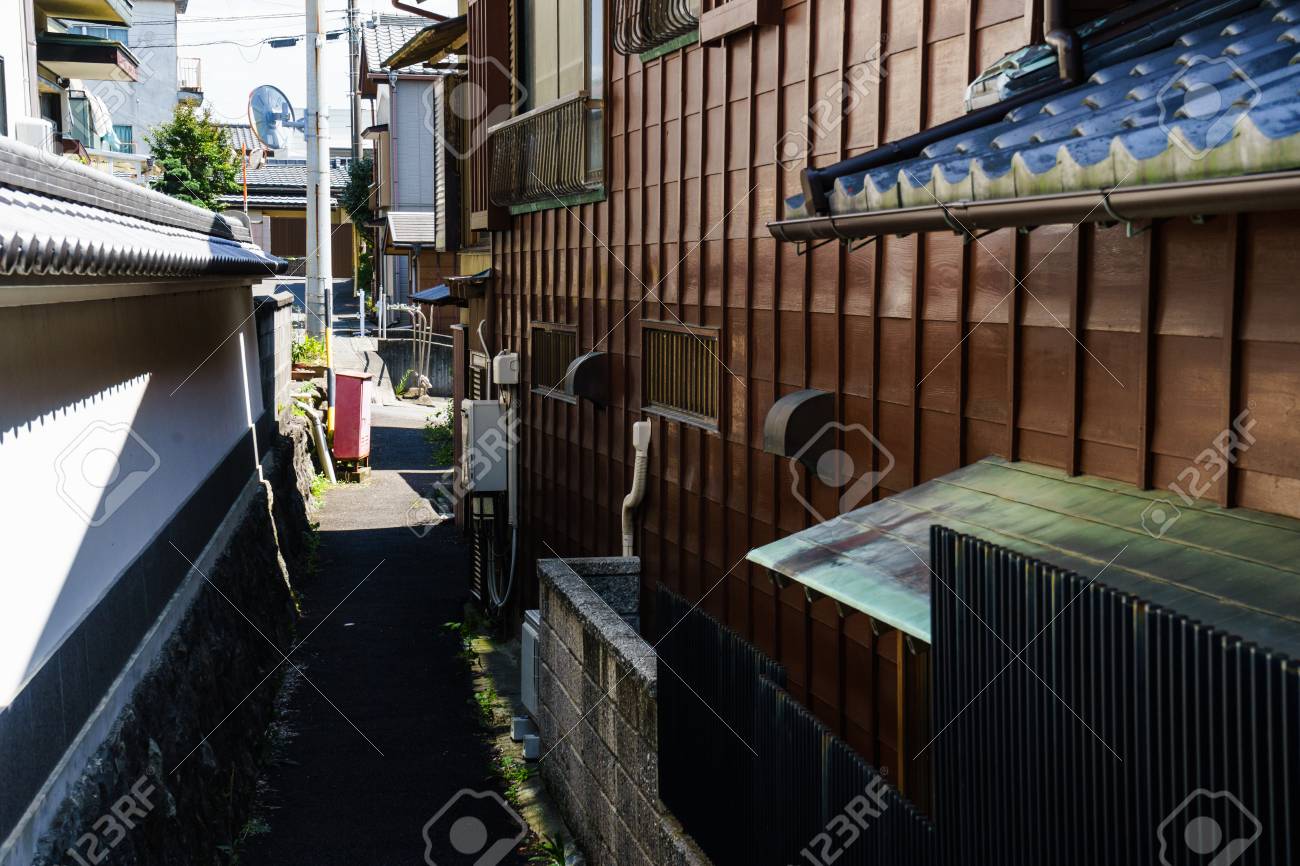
(544, 153)
(524, 117)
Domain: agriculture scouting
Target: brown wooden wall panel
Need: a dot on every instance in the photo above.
(289, 236)
(925, 342)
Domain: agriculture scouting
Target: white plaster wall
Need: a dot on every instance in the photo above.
(112, 412)
(15, 32)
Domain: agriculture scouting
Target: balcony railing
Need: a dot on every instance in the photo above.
(548, 153)
(641, 25)
(189, 74)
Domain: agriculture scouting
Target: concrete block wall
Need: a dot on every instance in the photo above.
(274, 312)
(598, 716)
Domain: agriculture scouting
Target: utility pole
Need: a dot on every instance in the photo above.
(354, 81)
(354, 56)
(320, 283)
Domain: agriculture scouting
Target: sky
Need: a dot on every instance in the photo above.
(231, 71)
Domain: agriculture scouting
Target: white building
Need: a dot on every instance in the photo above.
(164, 78)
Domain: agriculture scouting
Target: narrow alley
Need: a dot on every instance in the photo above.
(382, 734)
(649, 432)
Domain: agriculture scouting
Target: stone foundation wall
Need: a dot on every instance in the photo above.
(598, 716)
(174, 780)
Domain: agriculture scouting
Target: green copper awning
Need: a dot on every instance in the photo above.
(1233, 568)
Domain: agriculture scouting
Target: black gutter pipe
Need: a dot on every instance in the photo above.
(1272, 191)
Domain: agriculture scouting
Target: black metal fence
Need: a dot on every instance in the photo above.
(1081, 725)
(642, 25)
(751, 774)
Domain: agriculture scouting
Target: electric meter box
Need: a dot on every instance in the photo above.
(483, 467)
(505, 368)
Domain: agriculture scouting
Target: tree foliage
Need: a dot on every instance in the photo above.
(355, 197)
(194, 153)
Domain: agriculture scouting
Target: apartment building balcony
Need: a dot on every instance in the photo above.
(99, 11)
(549, 153)
(189, 80)
(71, 55)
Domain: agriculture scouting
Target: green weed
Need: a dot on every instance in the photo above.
(437, 432)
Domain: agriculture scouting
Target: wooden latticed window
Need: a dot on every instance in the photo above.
(553, 348)
(680, 370)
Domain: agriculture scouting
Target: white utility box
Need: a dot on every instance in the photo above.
(505, 368)
(530, 666)
(486, 446)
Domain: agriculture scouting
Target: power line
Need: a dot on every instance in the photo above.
(294, 36)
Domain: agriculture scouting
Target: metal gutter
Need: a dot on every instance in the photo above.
(1258, 192)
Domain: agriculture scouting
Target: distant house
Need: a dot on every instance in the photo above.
(164, 79)
(243, 140)
(106, 74)
(277, 210)
(415, 189)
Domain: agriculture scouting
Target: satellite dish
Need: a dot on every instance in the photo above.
(270, 114)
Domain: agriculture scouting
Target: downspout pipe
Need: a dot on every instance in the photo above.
(641, 443)
(1059, 35)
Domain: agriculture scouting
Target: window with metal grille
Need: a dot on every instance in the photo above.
(478, 369)
(554, 348)
(680, 370)
(643, 25)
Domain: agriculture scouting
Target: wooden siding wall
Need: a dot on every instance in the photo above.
(289, 238)
(1193, 323)
(434, 269)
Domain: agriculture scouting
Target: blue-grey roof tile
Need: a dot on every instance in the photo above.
(1220, 77)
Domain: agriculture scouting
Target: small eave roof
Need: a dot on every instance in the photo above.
(428, 44)
(389, 33)
(411, 227)
(1130, 124)
(1234, 569)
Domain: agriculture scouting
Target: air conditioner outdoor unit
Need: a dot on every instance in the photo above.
(36, 132)
(530, 666)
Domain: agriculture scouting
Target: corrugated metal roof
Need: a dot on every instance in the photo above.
(1213, 90)
(42, 236)
(390, 33)
(1238, 570)
(439, 294)
(408, 227)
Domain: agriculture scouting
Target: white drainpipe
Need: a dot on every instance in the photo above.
(641, 442)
